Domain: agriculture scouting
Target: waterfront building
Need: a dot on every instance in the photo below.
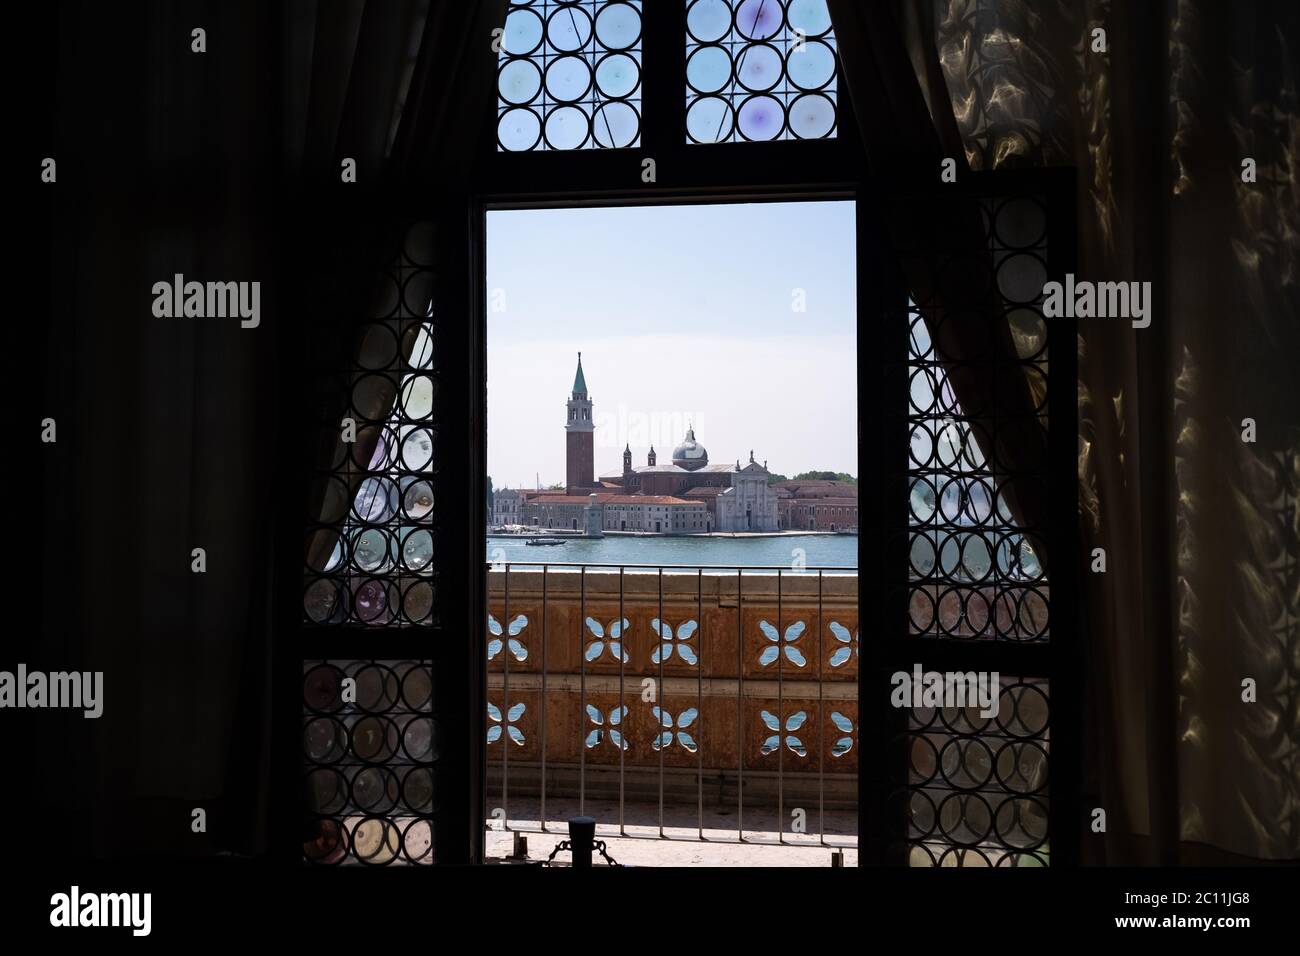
(817, 505)
(685, 495)
(507, 506)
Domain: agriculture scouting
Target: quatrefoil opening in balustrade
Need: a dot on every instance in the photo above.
(517, 648)
(792, 723)
(782, 644)
(602, 732)
(596, 648)
(850, 642)
(669, 642)
(684, 719)
(845, 726)
(511, 731)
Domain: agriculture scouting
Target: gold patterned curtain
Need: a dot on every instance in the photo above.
(1197, 515)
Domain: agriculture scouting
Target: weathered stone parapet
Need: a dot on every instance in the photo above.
(752, 672)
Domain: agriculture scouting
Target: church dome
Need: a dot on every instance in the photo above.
(690, 454)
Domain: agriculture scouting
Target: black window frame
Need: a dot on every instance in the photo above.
(780, 171)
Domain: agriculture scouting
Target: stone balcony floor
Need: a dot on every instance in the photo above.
(679, 821)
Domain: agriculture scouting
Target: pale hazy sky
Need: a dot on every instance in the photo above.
(682, 314)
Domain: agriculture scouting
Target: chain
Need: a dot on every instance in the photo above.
(598, 845)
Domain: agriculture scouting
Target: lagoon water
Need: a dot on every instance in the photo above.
(819, 550)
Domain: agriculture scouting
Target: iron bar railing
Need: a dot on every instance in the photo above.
(655, 640)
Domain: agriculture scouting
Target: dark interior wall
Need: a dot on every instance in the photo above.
(167, 164)
(180, 433)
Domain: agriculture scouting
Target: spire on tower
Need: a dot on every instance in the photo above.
(579, 381)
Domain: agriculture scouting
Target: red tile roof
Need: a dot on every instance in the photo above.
(704, 491)
(648, 500)
(558, 499)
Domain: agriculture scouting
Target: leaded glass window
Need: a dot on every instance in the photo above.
(370, 561)
(759, 70)
(569, 75)
(370, 762)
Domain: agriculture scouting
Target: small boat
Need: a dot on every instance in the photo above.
(541, 541)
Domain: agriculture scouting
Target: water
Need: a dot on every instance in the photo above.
(783, 551)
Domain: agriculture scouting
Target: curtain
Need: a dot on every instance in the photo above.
(218, 165)
(1199, 524)
(448, 81)
(895, 82)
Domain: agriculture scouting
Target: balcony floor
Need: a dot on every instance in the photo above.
(680, 822)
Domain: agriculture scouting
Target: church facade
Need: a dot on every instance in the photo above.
(685, 495)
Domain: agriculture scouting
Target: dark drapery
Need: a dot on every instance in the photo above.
(220, 165)
(1200, 527)
(895, 82)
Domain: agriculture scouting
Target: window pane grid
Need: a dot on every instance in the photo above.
(569, 75)
(760, 70)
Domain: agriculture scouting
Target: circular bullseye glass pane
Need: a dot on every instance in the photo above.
(370, 550)
(1021, 277)
(568, 29)
(709, 69)
(810, 16)
(617, 75)
(761, 118)
(568, 78)
(523, 32)
(371, 600)
(710, 120)
(321, 601)
(417, 549)
(418, 601)
(417, 499)
(375, 501)
(615, 125)
(758, 19)
(812, 116)
(922, 555)
(519, 81)
(566, 128)
(518, 130)
(708, 20)
(618, 26)
(417, 449)
(417, 396)
(759, 67)
(976, 557)
(813, 68)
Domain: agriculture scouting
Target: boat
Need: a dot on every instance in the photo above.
(541, 541)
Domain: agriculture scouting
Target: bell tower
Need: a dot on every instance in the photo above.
(579, 436)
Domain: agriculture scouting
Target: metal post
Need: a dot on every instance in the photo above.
(582, 837)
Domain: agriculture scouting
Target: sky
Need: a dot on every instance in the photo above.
(737, 320)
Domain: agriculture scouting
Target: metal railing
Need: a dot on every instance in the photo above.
(568, 640)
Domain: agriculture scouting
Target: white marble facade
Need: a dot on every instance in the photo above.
(750, 503)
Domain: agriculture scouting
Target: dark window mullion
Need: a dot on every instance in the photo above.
(663, 78)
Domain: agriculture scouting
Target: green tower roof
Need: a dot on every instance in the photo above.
(579, 383)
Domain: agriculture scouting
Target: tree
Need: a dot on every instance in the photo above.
(826, 476)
